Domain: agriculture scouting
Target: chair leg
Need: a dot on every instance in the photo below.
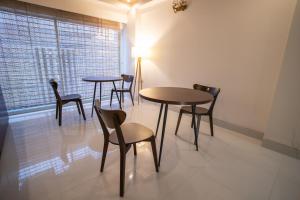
(78, 108)
(178, 122)
(111, 95)
(105, 147)
(153, 145)
(56, 114)
(211, 125)
(122, 96)
(82, 110)
(131, 98)
(60, 114)
(122, 171)
(134, 149)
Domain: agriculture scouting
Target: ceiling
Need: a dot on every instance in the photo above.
(130, 2)
(126, 2)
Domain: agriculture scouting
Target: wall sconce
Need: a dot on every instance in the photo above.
(179, 5)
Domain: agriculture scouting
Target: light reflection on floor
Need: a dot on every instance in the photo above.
(41, 160)
(57, 163)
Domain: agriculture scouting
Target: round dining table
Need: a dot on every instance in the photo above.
(100, 80)
(175, 96)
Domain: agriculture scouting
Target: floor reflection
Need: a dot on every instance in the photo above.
(44, 161)
(58, 164)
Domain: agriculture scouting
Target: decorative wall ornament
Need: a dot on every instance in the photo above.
(179, 5)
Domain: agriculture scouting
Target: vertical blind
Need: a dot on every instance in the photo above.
(39, 43)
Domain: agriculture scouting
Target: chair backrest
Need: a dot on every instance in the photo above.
(54, 86)
(111, 119)
(212, 90)
(127, 79)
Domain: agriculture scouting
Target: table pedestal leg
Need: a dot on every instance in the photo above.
(117, 95)
(195, 128)
(94, 98)
(163, 132)
(159, 116)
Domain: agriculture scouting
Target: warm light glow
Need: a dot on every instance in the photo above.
(133, 10)
(140, 52)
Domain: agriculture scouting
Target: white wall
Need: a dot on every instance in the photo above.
(131, 28)
(93, 8)
(236, 45)
(284, 123)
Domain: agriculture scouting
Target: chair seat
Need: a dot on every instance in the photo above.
(132, 133)
(199, 110)
(121, 89)
(70, 97)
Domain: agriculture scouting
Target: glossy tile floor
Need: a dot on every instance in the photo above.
(44, 161)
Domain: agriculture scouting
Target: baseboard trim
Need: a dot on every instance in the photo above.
(245, 131)
(281, 148)
(233, 127)
(266, 143)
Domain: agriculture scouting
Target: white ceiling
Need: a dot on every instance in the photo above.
(126, 2)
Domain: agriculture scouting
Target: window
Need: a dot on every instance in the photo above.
(38, 43)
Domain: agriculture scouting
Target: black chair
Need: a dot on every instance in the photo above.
(200, 110)
(62, 100)
(128, 80)
(125, 135)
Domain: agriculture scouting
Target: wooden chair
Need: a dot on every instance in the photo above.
(125, 135)
(62, 100)
(128, 80)
(200, 110)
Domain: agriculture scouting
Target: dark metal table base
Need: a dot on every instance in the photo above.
(164, 127)
(94, 96)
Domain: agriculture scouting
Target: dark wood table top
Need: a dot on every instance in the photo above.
(101, 78)
(176, 95)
